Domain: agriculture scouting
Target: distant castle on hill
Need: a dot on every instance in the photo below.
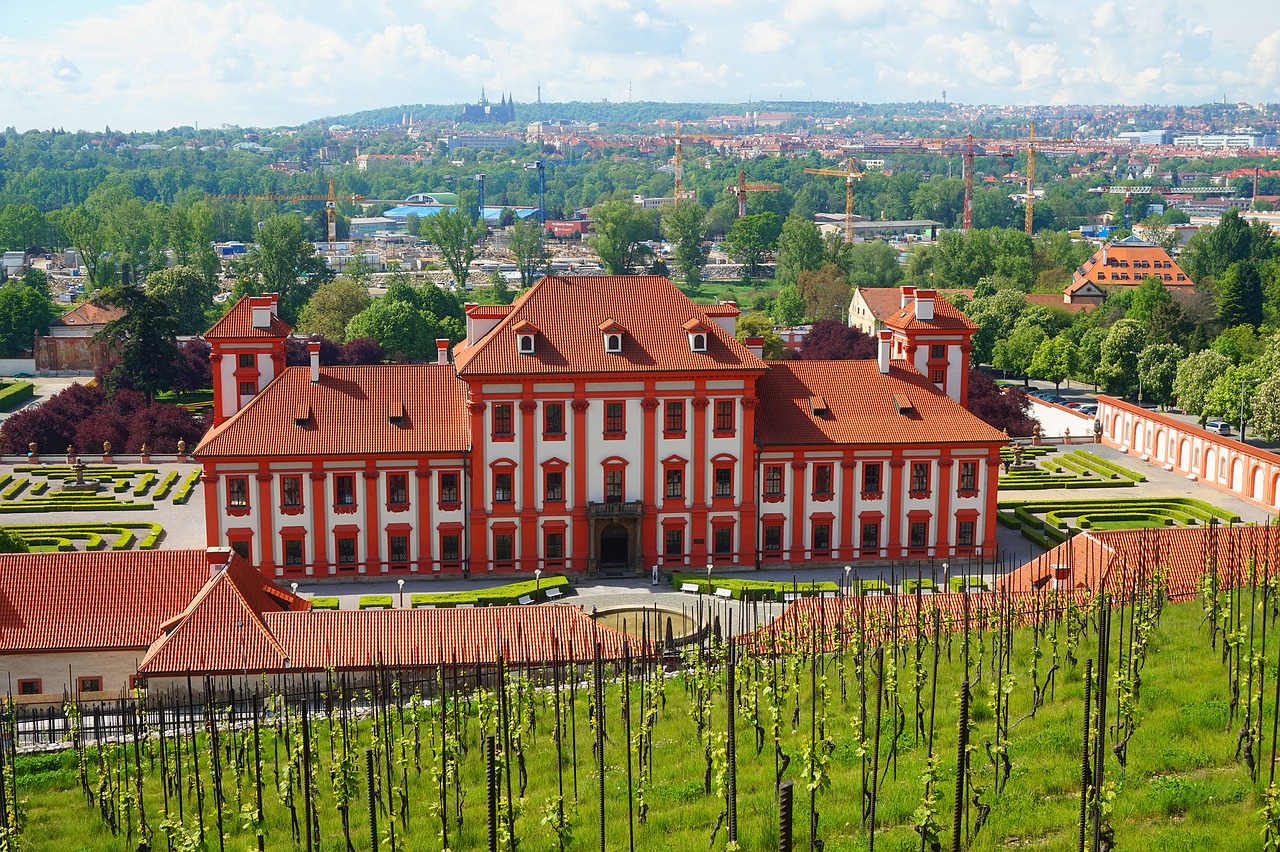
(483, 112)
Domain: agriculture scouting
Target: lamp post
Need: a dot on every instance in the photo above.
(537, 583)
(400, 583)
(847, 587)
(708, 578)
(294, 588)
(1244, 383)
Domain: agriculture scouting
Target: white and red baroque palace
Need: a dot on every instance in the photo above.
(597, 425)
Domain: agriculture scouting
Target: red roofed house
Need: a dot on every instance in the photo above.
(247, 350)
(1124, 263)
(601, 424)
(69, 346)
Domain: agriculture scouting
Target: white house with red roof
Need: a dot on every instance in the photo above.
(600, 425)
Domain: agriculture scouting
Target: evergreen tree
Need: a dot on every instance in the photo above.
(1239, 294)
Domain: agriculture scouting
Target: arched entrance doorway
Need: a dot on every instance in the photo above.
(614, 548)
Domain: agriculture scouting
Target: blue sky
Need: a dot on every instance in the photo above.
(159, 63)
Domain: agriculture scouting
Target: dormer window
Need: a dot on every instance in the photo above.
(698, 342)
(613, 343)
(526, 344)
(698, 332)
(612, 332)
(525, 333)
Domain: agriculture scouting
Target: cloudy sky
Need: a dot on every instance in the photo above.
(161, 63)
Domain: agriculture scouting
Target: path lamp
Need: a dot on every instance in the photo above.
(537, 583)
(848, 587)
(708, 578)
(294, 588)
(400, 583)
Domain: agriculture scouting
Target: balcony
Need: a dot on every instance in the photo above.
(634, 509)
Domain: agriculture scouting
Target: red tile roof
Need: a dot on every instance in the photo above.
(89, 313)
(1130, 252)
(945, 316)
(1112, 558)
(863, 407)
(316, 640)
(884, 302)
(237, 324)
(94, 601)
(348, 411)
(569, 312)
(488, 311)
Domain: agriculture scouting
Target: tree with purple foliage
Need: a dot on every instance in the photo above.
(195, 371)
(296, 354)
(829, 340)
(83, 416)
(1002, 410)
(361, 351)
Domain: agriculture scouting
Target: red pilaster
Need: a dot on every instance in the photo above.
(528, 487)
(895, 548)
(581, 547)
(799, 522)
(266, 531)
(212, 509)
(479, 527)
(649, 545)
(945, 487)
(426, 557)
(749, 526)
(372, 530)
(848, 480)
(699, 532)
(319, 527)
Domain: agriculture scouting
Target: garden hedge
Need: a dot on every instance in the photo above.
(13, 393)
(507, 595)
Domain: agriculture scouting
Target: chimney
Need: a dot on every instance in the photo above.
(908, 295)
(886, 345)
(313, 349)
(442, 350)
(263, 308)
(924, 304)
(1061, 576)
(219, 558)
(755, 345)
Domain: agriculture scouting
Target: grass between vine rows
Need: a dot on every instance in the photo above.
(1182, 788)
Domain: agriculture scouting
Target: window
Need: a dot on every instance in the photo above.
(526, 344)
(919, 478)
(448, 488)
(504, 547)
(870, 535)
(871, 478)
(554, 546)
(613, 343)
(553, 486)
(613, 486)
(723, 541)
(502, 487)
(614, 421)
(698, 342)
(291, 492)
(673, 543)
(553, 418)
(248, 388)
(238, 492)
(89, 684)
(450, 547)
(29, 686)
(502, 423)
(724, 415)
(397, 488)
(772, 538)
(345, 489)
(675, 483)
(674, 421)
(964, 533)
(246, 360)
(968, 476)
(398, 552)
(919, 535)
(822, 476)
(938, 376)
(293, 553)
(347, 550)
(822, 536)
(937, 351)
(241, 548)
(723, 482)
(773, 480)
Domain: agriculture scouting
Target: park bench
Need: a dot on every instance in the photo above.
(553, 593)
(723, 593)
(791, 597)
(689, 587)
(527, 599)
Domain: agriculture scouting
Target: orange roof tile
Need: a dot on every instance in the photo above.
(862, 407)
(89, 313)
(316, 640)
(1130, 252)
(488, 311)
(881, 301)
(945, 316)
(237, 324)
(348, 414)
(569, 312)
(94, 601)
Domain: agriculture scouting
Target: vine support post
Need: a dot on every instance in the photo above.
(491, 784)
(1084, 754)
(962, 748)
(786, 792)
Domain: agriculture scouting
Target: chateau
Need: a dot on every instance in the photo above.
(599, 425)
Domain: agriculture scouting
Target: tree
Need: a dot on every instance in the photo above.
(144, 342)
(1210, 252)
(1194, 379)
(283, 261)
(360, 352)
(1239, 294)
(36, 279)
(832, 340)
(11, 542)
(682, 226)
(1226, 393)
(1054, 360)
(1014, 353)
(1157, 370)
(24, 312)
(620, 233)
(332, 307)
(188, 294)
(455, 233)
(994, 315)
(1118, 356)
(1089, 354)
(405, 332)
(1266, 409)
(799, 249)
(525, 239)
(752, 237)
(84, 230)
(1007, 411)
(760, 325)
(788, 307)
(21, 227)
(413, 225)
(195, 371)
(874, 264)
(826, 293)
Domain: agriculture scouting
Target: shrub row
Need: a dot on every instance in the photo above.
(15, 489)
(760, 590)
(57, 502)
(125, 532)
(143, 484)
(12, 393)
(188, 485)
(1106, 465)
(507, 595)
(165, 486)
(959, 583)
(324, 603)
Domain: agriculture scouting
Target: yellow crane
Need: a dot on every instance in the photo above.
(1031, 175)
(849, 173)
(330, 200)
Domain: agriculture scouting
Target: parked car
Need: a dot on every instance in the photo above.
(1219, 427)
(1088, 408)
(1075, 403)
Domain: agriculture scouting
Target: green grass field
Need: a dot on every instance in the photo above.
(1182, 788)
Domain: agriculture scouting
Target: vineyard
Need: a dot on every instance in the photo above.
(1140, 723)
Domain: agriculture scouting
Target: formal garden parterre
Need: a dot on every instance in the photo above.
(39, 488)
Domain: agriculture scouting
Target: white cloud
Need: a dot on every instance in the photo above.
(156, 63)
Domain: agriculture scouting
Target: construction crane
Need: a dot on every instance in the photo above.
(848, 173)
(330, 200)
(678, 170)
(1031, 176)
(741, 188)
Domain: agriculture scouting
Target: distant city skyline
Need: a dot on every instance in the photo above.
(152, 65)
